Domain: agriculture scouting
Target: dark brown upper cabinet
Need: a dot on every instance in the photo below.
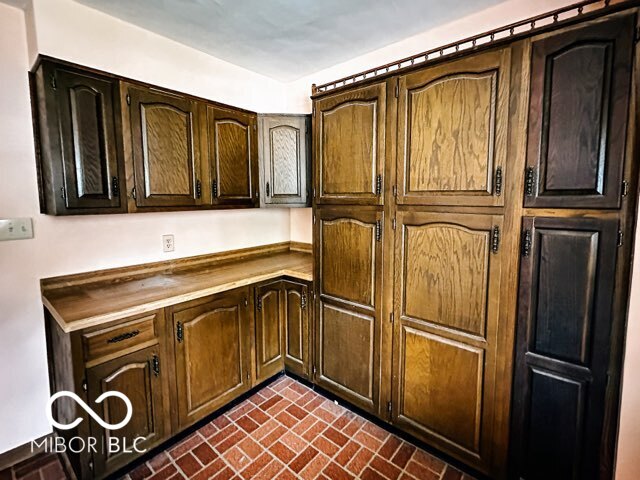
(165, 139)
(77, 133)
(349, 143)
(563, 348)
(452, 124)
(580, 87)
(284, 160)
(233, 156)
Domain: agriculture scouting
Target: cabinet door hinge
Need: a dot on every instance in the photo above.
(397, 88)
(389, 407)
(198, 189)
(314, 218)
(91, 465)
(495, 239)
(393, 223)
(314, 370)
(529, 178)
(54, 83)
(267, 189)
(156, 365)
(128, 99)
(303, 300)
(379, 185)
(625, 188)
(313, 110)
(526, 243)
(84, 385)
(258, 303)
(63, 193)
(394, 190)
(133, 193)
(498, 185)
(620, 238)
(179, 332)
(391, 317)
(246, 302)
(378, 230)
(115, 186)
(314, 192)
(214, 188)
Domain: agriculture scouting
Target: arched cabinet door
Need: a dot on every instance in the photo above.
(233, 156)
(166, 149)
(452, 132)
(580, 87)
(349, 143)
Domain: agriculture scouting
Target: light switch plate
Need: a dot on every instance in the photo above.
(167, 243)
(15, 228)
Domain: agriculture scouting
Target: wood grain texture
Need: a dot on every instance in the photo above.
(578, 123)
(86, 305)
(349, 141)
(452, 131)
(285, 152)
(270, 318)
(298, 306)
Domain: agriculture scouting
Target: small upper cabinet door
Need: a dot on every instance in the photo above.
(166, 149)
(349, 142)
(452, 132)
(580, 83)
(284, 159)
(81, 115)
(269, 330)
(233, 156)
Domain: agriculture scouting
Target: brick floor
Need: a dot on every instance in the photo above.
(284, 431)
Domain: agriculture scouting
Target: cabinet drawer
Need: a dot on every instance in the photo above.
(120, 338)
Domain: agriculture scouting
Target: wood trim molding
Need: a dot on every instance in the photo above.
(300, 247)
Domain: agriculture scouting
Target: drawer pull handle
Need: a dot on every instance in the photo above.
(124, 336)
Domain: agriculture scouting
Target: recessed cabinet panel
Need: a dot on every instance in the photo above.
(452, 123)
(212, 344)
(269, 325)
(445, 333)
(166, 149)
(297, 307)
(350, 145)
(578, 122)
(563, 346)
(233, 154)
(138, 376)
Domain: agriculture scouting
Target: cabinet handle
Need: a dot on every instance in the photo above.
(267, 189)
(156, 365)
(258, 303)
(123, 336)
(179, 332)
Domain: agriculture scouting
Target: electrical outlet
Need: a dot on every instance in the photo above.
(167, 243)
(16, 228)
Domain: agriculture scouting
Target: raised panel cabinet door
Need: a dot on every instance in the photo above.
(212, 348)
(452, 132)
(92, 163)
(296, 307)
(269, 327)
(284, 159)
(580, 94)
(349, 143)
(233, 156)
(563, 347)
(348, 325)
(166, 149)
(447, 317)
(139, 376)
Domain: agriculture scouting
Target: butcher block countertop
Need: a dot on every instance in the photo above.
(96, 298)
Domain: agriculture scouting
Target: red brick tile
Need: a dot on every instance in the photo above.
(304, 424)
(166, 472)
(247, 424)
(239, 411)
(258, 416)
(270, 471)
(286, 419)
(403, 454)
(389, 447)
(357, 463)
(278, 407)
(334, 407)
(336, 472)
(314, 404)
(282, 452)
(294, 442)
(188, 464)
(289, 394)
(324, 414)
(299, 388)
(286, 475)
(138, 473)
(208, 430)
(335, 436)
(185, 445)
(343, 420)
(265, 429)
(237, 458)
(230, 441)
(225, 474)
(297, 412)
(257, 465)
(267, 393)
(325, 446)
(303, 459)
(306, 398)
(314, 431)
(223, 434)
(250, 447)
(368, 441)
(204, 453)
(353, 426)
(370, 474)
(221, 422)
(54, 471)
(347, 453)
(280, 384)
(257, 398)
(420, 471)
(384, 467)
(429, 461)
(375, 431)
(452, 474)
(211, 470)
(267, 404)
(313, 469)
(274, 436)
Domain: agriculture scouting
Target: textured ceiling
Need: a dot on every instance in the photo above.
(287, 39)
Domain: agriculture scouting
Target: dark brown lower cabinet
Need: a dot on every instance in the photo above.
(563, 347)
(269, 328)
(139, 376)
(212, 353)
(296, 305)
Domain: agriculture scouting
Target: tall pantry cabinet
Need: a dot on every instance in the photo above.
(470, 219)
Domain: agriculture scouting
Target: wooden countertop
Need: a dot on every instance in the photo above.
(77, 305)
